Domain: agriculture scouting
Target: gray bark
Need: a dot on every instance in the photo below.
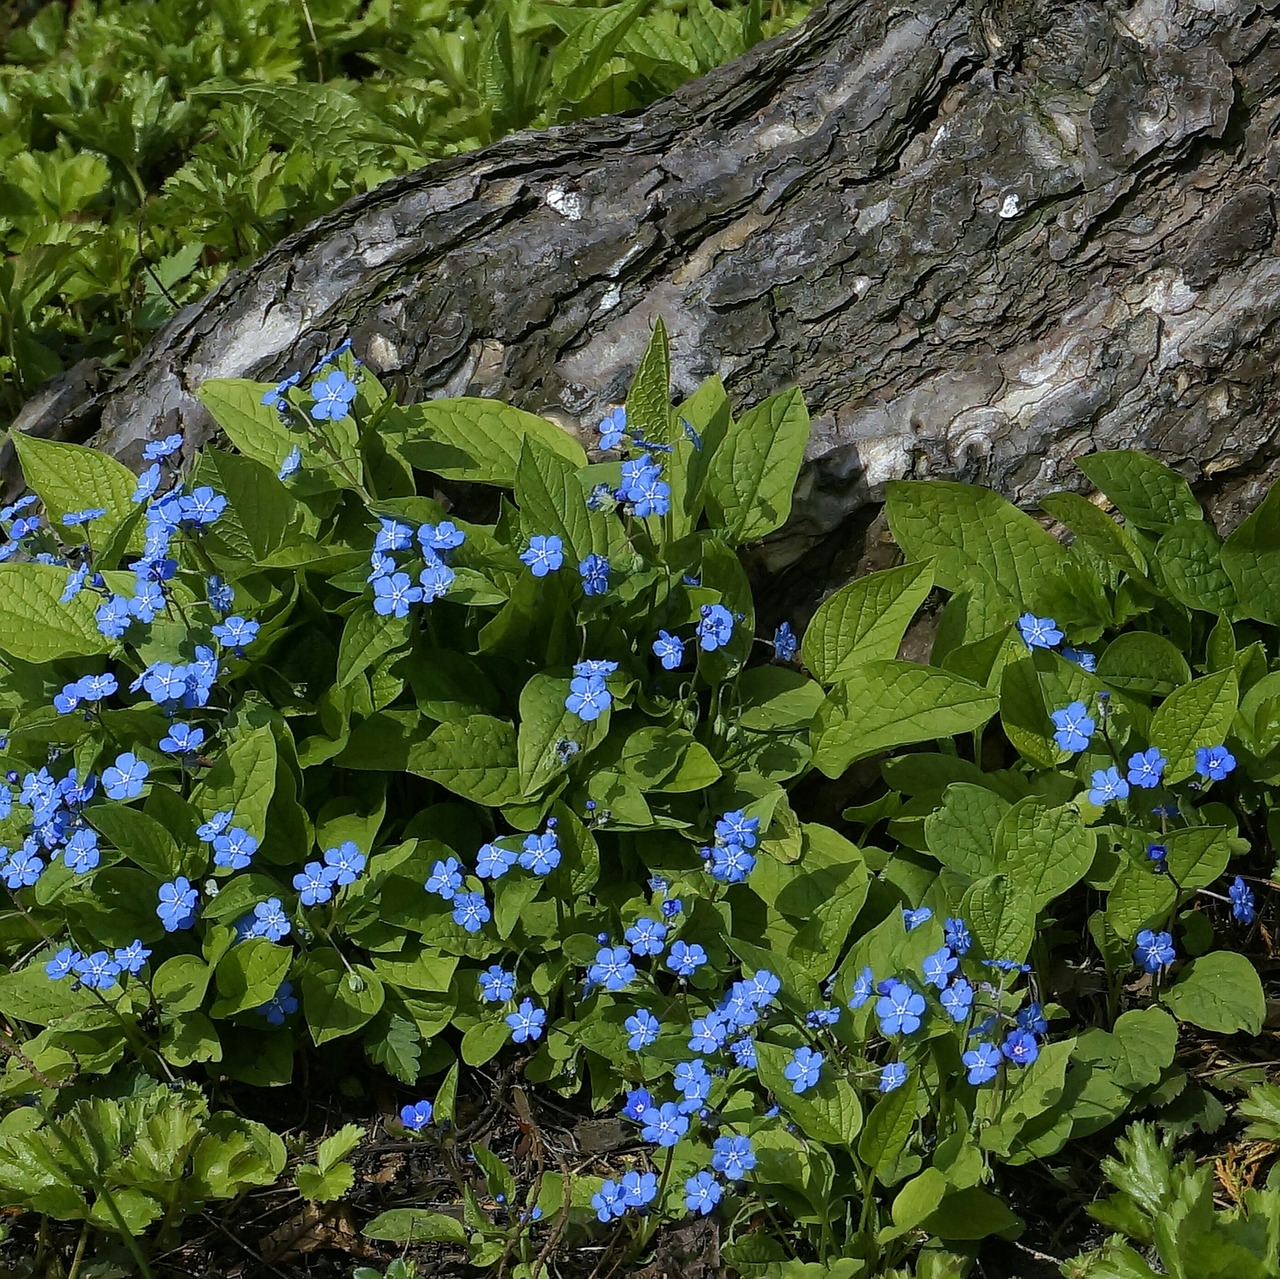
(983, 238)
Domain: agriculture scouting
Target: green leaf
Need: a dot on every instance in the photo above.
(961, 833)
(1145, 1040)
(1219, 992)
(416, 1225)
(397, 1049)
(1198, 714)
(544, 724)
(249, 975)
(753, 473)
(259, 508)
(880, 705)
(35, 626)
(478, 440)
(1147, 494)
(243, 779)
(580, 59)
(828, 1112)
(482, 1042)
(865, 620)
(474, 757)
(324, 1186)
(979, 540)
(141, 838)
(1000, 916)
(1043, 849)
(1097, 530)
(180, 982)
(368, 636)
(889, 1125)
(1192, 560)
(776, 698)
(649, 398)
(71, 477)
(552, 503)
(1144, 664)
(1251, 557)
(337, 1002)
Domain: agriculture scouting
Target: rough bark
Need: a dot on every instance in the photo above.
(983, 238)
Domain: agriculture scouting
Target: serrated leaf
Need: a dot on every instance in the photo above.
(880, 705)
(326, 1186)
(339, 1145)
(865, 620)
(398, 1050)
(582, 56)
(752, 476)
(477, 439)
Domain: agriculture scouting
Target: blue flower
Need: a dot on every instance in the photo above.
(1082, 658)
(313, 884)
(393, 594)
(803, 1069)
(708, 1033)
(1020, 1047)
(613, 968)
(1146, 768)
(785, 643)
(691, 1078)
(702, 1192)
(417, 1116)
(293, 460)
(280, 1005)
(238, 632)
(24, 867)
(177, 908)
(588, 697)
(545, 555)
(132, 957)
(344, 862)
(157, 449)
(894, 1075)
(75, 583)
(1214, 762)
(182, 739)
(124, 779)
(738, 827)
(666, 1125)
(201, 507)
(235, 849)
(650, 496)
(957, 936)
(112, 617)
(62, 963)
(1154, 950)
(612, 428)
(733, 1156)
(899, 1009)
(97, 971)
(643, 1027)
(81, 853)
(148, 482)
(1075, 727)
(744, 1053)
(816, 1018)
(983, 1060)
(914, 918)
(1039, 632)
(1242, 902)
(609, 1201)
(715, 628)
(84, 517)
(763, 986)
(445, 879)
(684, 959)
(215, 825)
(220, 595)
(493, 861)
(270, 921)
(1032, 1020)
(471, 911)
(497, 985)
(1107, 784)
(332, 395)
(594, 666)
(939, 966)
(540, 853)
(669, 649)
(594, 571)
(647, 936)
(957, 999)
(863, 986)
(526, 1022)
(637, 1105)
(730, 863)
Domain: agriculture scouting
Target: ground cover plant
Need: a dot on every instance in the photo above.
(148, 148)
(424, 729)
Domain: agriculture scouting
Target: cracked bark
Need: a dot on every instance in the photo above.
(984, 238)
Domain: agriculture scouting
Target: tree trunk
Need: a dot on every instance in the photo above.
(984, 239)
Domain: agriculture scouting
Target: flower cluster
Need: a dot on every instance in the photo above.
(433, 544)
